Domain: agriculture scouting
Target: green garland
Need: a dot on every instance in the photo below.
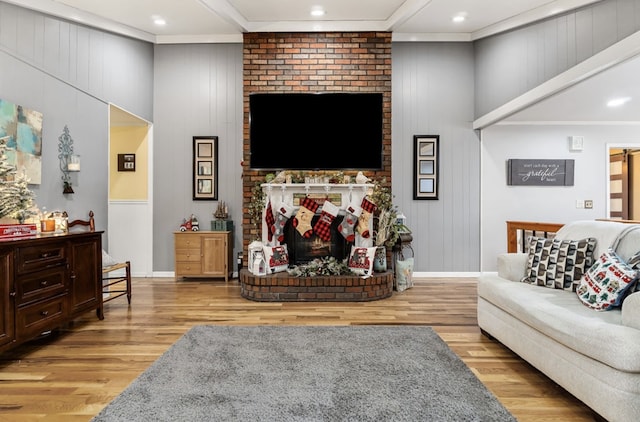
(258, 198)
(326, 266)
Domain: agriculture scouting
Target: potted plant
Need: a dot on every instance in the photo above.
(385, 224)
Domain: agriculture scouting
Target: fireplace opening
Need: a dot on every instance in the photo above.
(303, 250)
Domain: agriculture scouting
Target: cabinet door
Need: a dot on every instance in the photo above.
(7, 294)
(85, 288)
(214, 254)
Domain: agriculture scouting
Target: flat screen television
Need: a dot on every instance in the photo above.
(322, 131)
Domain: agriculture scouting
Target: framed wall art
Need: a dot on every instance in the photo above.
(205, 168)
(425, 166)
(126, 162)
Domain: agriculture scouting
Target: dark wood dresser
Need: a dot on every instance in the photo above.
(46, 281)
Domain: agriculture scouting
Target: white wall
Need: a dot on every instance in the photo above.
(501, 203)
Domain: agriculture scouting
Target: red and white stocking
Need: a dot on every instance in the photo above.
(284, 213)
(302, 220)
(368, 208)
(269, 220)
(352, 212)
(323, 226)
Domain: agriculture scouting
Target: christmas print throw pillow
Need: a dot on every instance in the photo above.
(606, 283)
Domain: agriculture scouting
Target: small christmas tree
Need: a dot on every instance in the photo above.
(16, 199)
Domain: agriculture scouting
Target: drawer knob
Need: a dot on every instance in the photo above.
(44, 313)
(44, 283)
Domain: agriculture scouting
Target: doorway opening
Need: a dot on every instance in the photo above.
(624, 182)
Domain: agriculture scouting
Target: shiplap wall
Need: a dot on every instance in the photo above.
(70, 73)
(512, 63)
(432, 86)
(198, 92)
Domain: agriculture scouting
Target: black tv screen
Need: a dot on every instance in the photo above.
(323, 131)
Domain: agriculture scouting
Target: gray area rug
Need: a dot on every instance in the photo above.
(292, 373)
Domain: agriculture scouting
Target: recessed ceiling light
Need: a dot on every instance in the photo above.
(617, 102)
(317, 11)
(460, 17)
(158, 20)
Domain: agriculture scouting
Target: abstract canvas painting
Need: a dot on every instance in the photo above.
(21, 131)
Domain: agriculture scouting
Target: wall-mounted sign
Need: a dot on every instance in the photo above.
(540, 172)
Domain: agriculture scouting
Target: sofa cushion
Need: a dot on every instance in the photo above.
(634, 262)
(361, 260)
(512, 266)
(606, 283)
(606, 232)
(631, 311)
(628, 243)
(560, 315)
(558, 263)
(277, 258)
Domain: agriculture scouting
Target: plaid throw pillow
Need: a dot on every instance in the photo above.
(558, 264)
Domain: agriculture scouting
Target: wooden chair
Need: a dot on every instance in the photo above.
(122, 282)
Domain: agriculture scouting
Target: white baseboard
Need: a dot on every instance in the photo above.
(160, 274)
(169, 274)
(445, 275)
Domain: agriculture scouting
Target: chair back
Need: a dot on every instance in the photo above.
(88, 225)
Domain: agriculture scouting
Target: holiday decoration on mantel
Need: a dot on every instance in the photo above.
(302, 220)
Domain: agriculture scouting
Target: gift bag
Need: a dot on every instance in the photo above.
(404, 274)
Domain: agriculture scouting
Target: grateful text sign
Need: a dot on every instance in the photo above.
(540, 172)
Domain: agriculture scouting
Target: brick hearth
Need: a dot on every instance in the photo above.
(282, 287)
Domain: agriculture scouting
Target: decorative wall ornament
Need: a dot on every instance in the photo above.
(425, 166)
(69, 162)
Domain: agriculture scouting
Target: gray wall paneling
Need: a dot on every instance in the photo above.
(198, 91)
(510, 64)
(432, 83)
(70, 73)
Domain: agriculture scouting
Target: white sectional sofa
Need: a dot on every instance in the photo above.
(595, 355)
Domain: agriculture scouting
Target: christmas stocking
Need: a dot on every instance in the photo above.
(302, 220)
(269, 220)
(323, 226)
(368, 208)
(285, 212)
(349, 221)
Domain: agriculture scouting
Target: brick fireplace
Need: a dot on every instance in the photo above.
(302, 250)
(313, 62)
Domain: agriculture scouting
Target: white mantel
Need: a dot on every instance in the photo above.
(289, 192)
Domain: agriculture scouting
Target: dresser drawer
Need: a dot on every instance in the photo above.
(33, 319)
(188, 268)
(188, 255)
(187, 241)
(34, 258)
(41, 285)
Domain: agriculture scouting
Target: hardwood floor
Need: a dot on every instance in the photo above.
(72, 374)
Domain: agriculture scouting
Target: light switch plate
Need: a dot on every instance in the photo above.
(577, 143)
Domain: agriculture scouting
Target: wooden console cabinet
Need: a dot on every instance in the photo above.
(47, 281)
(203, 254)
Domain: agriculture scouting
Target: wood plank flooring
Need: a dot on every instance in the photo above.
(72, 374)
